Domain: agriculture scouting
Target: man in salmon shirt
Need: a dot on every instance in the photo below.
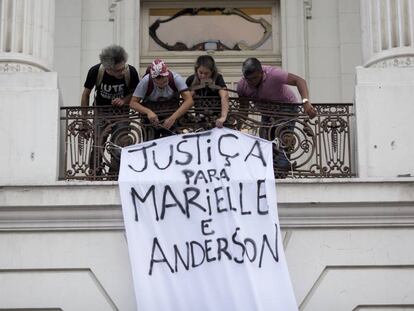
(268, 83)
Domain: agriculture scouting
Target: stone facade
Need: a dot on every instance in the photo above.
(347, 241)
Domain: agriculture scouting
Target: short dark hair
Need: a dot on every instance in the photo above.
(113, 55)
(250, 66)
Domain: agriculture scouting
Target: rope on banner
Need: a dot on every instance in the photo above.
(280, 147)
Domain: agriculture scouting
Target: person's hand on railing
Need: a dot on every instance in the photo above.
(152, 117)
(118, 102)
(169, 122)
(309, 109)
(220, 121)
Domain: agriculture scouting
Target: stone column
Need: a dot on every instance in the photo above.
(26, 35)
(387, 33)
(125, 15)
(385, 90)
(29, 95)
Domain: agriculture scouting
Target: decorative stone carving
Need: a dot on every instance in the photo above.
(308, 8)
(112, 9)
(16, 67)
(402, 61)
(214, 44)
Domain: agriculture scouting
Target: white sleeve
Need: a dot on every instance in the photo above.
(179, 82)
(142, 87)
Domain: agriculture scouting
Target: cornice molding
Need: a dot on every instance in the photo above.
(350, 215)
(323, 204)
(61, 218)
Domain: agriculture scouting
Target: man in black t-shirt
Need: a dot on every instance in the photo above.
(114, 82)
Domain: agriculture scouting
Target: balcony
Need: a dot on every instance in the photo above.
(303, 148)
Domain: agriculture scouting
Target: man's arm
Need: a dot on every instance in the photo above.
(85, 100)
(135, 104)
(127, 99)
(185, 106)
(83, 112)
(122, 101)
(302, 87)
(85, 97)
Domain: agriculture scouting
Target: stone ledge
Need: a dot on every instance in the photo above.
(96, 206)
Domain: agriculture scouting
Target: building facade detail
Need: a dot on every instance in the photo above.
(26, 35)
(346, 240)
(113, 9)
(308, 8)
(395, 61)
(388, 36)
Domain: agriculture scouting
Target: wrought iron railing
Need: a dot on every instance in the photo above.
(303, 147)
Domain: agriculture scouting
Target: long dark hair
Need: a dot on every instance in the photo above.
(208, 62)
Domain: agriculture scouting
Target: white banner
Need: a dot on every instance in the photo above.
(201, 221)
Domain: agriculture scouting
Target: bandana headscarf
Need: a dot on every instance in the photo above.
(158, 68)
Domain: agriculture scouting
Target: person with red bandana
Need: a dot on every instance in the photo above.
(161, 85)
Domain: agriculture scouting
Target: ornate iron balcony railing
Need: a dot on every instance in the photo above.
(304, 148)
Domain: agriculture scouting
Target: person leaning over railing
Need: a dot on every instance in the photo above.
(267, 83)
(114, 82)
(206, 81)
(161, 86)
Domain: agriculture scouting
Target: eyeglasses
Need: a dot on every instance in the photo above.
(117, 70)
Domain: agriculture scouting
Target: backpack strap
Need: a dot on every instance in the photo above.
(101, 72)
(127, 76)
(150, 87)
(148, 70)
(171, 82)
(100, 75)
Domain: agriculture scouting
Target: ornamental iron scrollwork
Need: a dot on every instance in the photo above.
(207, 45)
(335, 131)
(303, 147)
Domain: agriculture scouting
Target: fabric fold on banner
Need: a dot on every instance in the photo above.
(201, 221)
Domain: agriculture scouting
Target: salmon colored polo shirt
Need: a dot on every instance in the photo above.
(272, 87)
